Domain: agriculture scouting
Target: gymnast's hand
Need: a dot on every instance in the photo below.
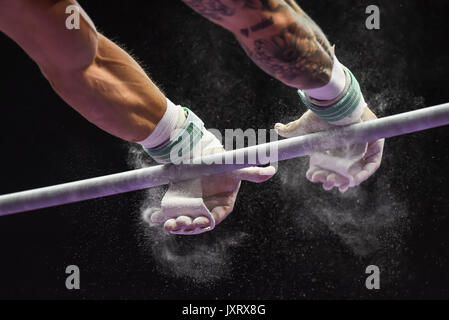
(219, 196)
(342, 168)
(196, 206)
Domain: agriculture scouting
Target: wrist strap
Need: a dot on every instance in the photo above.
(341, 109)
(181, 143)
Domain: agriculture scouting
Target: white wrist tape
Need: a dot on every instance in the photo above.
(333, 88)
(210, 144)
(180, 135)
(173, 118)
(346, 108)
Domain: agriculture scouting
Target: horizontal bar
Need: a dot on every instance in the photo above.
(386, 127)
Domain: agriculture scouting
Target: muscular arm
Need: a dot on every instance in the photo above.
(91, 73)
(277, 35)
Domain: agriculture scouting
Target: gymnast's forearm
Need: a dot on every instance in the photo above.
(277, 35)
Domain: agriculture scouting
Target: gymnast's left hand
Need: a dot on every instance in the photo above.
(343, 168)
(217, 192)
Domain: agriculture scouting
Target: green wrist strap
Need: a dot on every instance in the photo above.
(342, 108)
(186, 138)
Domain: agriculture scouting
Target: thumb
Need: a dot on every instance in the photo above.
(255, 174)
(308, 123)
(289, 130)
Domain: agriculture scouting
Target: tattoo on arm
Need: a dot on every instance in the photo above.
(265, 23)
(319, 34)
(297, 53)
(268, 5)
(212, 9)
(217, 10)
(292, 56)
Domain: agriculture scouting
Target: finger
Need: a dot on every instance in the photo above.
(255, 174)
(183, 221)
(157, 217)
(227, 200)
(170, 225)
(147, 213)
(335, 180)
(341, 180)
(308, 123)
(319, 176)
(371, 165)
(291, 129)
(200, 222)
(361, 177)
(374, 158)
(327, 187)
(220, 213)
(368, 171)
(344, 187)
(329, 183)
(375, 148)
(310, 172)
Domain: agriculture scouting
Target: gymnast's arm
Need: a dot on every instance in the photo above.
(277, 35)
(91, 73)
(284, 42)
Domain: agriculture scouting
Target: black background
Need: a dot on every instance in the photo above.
(287, 238)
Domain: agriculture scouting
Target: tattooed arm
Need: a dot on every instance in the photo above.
(277, 35)
(282, 40)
